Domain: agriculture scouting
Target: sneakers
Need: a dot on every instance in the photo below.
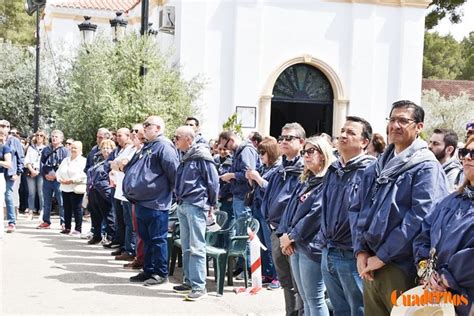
(155, 279)
(29, 216)
(182, 289)
(75, 233)
(111, 245)
(43, 226)
(125, 256)
(141, 277)
(11, 228)
(94, 240)
(274, 285)
(65, 231)
(88, 235)
(196, 295)
(134, 265)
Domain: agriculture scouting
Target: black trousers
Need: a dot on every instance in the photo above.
(72, 204)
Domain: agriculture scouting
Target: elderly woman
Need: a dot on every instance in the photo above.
(72, 181)
(301, 222)
(5, 164)
(99, 193)
(34, 179)
(269, 152)
(447, 239)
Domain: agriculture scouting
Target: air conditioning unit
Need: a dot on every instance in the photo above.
(166, 20)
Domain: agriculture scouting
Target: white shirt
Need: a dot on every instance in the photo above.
(117, 176)
(33, 156)
(71, 170)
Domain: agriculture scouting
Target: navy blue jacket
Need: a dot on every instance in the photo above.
(245, 157)
(279, 189)
(302, 217)
(98, 179)
(387, 216)
(4, 149)
(150, 175)
(197, 181)
(224, 166)
(91, 157)
(18, 156)
(340, 189)
(259, 193)
(52, 158)
(449, 228)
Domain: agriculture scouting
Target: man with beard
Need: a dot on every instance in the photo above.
(443, 144)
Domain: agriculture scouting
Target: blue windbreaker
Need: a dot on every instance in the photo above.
(387, 214)
(52, 158)
(224, 166)
(245, 157)
(98, 179)
(18, 156)
(302, 217)
(449, 228)
(280, 186)
(340, 188)
(197, 181)
(151, 174)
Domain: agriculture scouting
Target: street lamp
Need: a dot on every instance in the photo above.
(87, 30)
(118, 24)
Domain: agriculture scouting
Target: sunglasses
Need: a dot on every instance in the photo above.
(134, 130)
(287, 138)
(68, 143)
(146, 124)
(309, 151)
(464, 152)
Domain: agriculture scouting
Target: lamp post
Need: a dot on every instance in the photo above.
(87, 30)
(118, 24)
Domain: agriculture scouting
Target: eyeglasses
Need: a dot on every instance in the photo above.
(309, 151)
(262, 152)
(68, 143)
(176, 137)
(402, 121)
(464, 152)
(146, 124)
(134, 130)
(287, 138)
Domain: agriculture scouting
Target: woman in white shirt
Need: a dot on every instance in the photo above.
(72, 179)
(33, 178)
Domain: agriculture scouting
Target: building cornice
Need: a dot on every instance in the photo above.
(397, 3)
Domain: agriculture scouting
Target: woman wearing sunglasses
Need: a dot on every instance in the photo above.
(301, 222)
(32, 169)
(447, 239)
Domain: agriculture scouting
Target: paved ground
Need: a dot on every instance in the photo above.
(44, 272)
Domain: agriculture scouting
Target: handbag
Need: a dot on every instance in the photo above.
(80, 188)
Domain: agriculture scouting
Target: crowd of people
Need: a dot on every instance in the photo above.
(349, 216)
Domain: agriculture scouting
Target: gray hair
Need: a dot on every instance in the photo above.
(300, 132)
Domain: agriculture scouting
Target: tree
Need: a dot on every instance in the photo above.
(442, 57)
(440, 9)
(468, 56)
(232, 124)
(15, 25)
(17, 86)
(452, 112)
(105, 89)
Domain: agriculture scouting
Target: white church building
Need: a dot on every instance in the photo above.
(277, 61)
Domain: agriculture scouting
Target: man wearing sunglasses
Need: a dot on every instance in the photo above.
(279, 190)
(395, 194)
(148, 183)
(12, 175)
(338, 263)
(443, 144)
(245, 157)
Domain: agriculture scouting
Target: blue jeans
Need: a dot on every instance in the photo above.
(240, 210)
(9, 200)
(35, 185)
(50, 187)
(309, 279)
(153, 230)
(130, 238)
(192, 229)
(343, 282)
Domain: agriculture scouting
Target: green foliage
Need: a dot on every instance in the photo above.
(441, 112)
(17, 86)
(15, 25)
(105, 89)
(442, 58)
(231, 124)
(439, 9)
(468, 57)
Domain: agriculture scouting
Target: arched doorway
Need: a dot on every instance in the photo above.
(303, 94)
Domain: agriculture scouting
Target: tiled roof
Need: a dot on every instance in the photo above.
(449, 88)
(109, 5)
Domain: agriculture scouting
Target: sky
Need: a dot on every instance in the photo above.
(459, 31)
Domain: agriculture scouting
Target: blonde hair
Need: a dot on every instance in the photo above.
(107, 142)
(78, 144)
(325, 149)
(466, 182)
